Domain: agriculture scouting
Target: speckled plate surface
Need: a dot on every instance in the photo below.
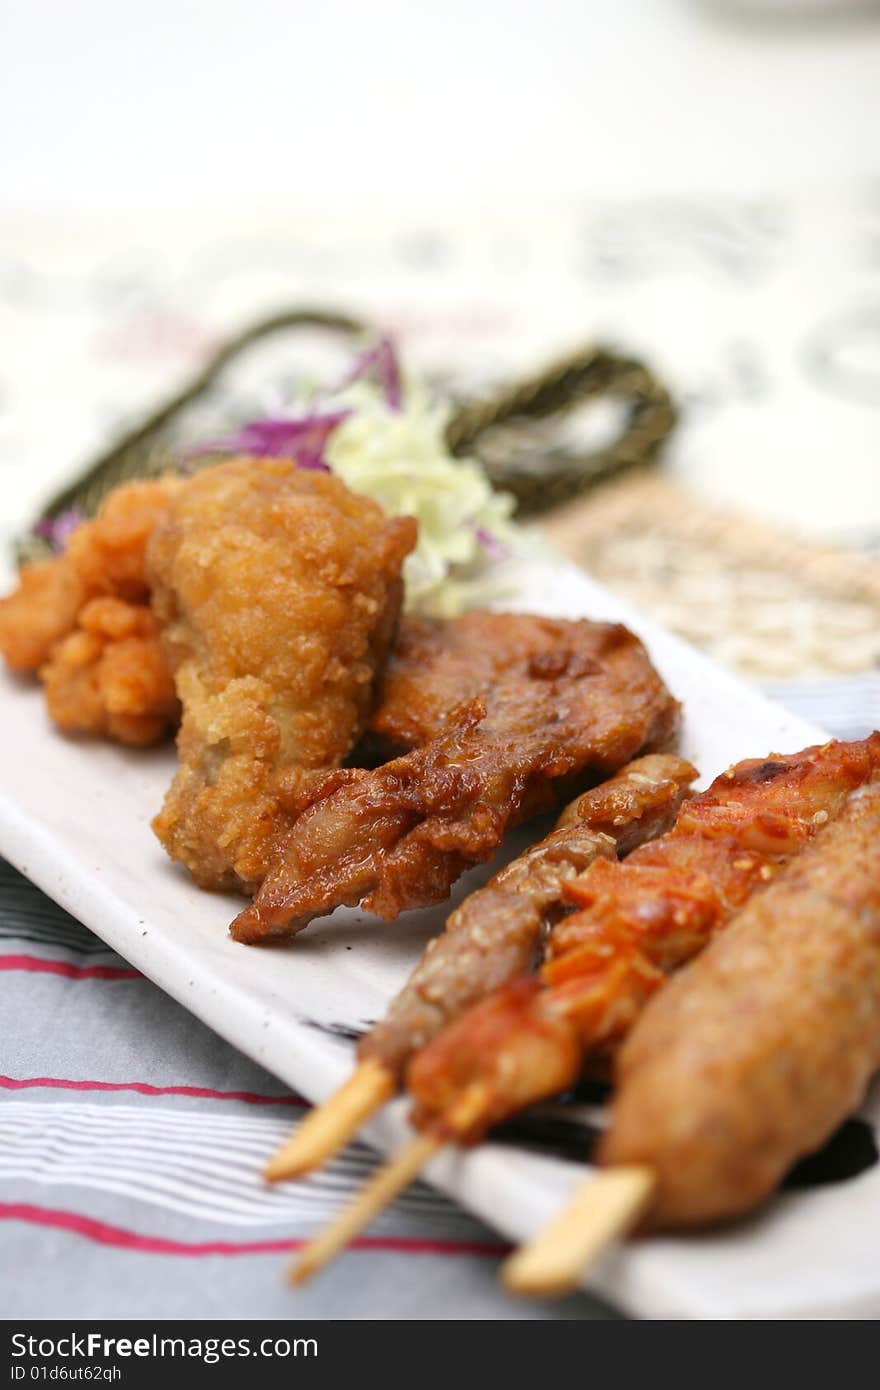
(74, 817)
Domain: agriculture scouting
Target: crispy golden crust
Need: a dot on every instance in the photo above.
(546, 701)
(110, 678)
(39, 613)
(109, 553)
(102, 666)
(278, 590)
(754, 1055)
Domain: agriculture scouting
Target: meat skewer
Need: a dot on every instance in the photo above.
(643, 918)
(748, 1061)
(647, 916)
(490, 938)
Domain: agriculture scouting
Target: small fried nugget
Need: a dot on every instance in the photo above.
(109, 678)
(69, 614)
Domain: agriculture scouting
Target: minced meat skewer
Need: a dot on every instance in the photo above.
(741, 1104)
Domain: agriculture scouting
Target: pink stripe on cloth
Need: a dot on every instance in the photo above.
(143, 1088)
(73, 972)
(117, 1236)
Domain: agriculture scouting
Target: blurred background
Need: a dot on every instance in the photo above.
(692, 184)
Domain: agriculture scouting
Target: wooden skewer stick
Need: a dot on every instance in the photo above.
(330, 1126)
(602, 1211)
(379, 1192)
(384, 1186)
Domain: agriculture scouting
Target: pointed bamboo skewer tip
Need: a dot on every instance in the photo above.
(378, 1193)
(603, 1210)
(328, 1128)
(386, 1183)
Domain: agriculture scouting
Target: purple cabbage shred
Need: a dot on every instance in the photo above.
(280, 437)
(491, 544)
(57, 530)
(381, 362)
(305, 438)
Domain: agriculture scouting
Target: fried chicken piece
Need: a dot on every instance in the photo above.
(543, 702)
(102, 665)
(110, 678)
(278, 591)
(39, 612)
(105, 556)
(109, 553)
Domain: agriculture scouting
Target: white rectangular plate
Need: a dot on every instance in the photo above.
(74, 817)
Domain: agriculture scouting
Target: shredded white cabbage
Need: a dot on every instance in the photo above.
(400, 457)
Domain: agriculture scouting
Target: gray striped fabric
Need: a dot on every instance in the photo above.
(133, 1136)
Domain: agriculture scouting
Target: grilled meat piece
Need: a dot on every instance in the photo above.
(545, 702)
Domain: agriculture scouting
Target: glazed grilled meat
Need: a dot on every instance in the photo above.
(541, 703)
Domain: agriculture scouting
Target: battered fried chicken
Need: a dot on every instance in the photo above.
(110, 677)
(82, 620)
(39, 612)
(278, 591)
(515, 710)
